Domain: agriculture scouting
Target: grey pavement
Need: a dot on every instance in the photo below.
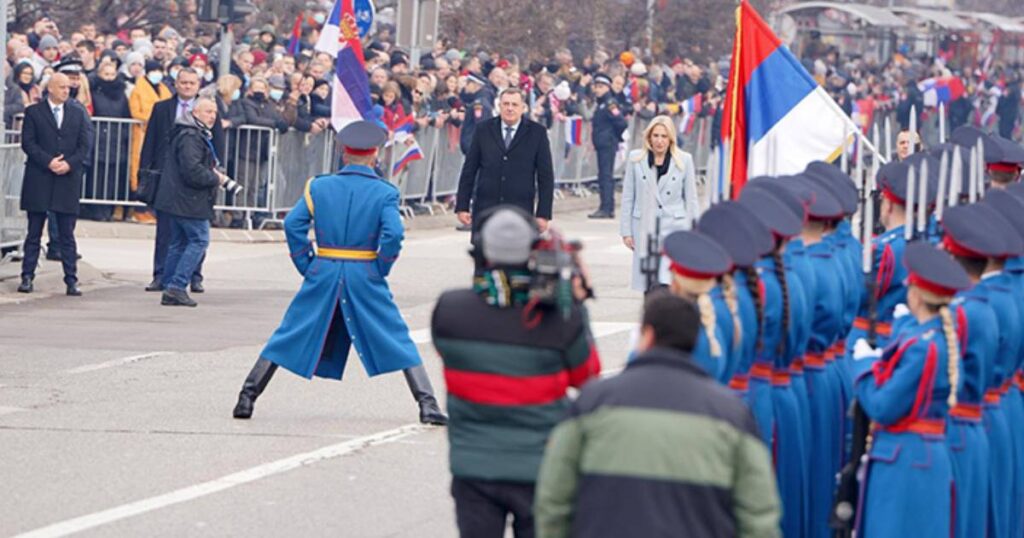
(115, 412)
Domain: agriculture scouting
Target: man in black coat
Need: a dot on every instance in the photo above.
(509, 162)
(188, 188)
(154, 153)
(56, 146)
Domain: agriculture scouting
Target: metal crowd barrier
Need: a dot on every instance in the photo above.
(13, 224)
(273, 167)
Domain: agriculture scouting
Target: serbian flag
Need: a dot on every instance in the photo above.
(574, 131)
(941, 90)
(410, 151)
(351, 88)
(863, 113)
(406, 125)
(777, 119)
(293, 43)
(689, 109)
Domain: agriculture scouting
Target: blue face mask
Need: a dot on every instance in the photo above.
(276, 94)
(154, 77)
(319, 18)
(236, 94)
(174, 75)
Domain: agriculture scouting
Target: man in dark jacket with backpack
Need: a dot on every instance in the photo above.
(186, 193)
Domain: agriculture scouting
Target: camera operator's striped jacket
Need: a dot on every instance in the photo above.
(507, 383)
(659, 450)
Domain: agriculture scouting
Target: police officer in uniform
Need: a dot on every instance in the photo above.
(608, 123)
(344, 301)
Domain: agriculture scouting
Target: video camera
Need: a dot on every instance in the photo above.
(553, 266)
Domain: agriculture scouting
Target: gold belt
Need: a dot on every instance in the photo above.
(346, 254)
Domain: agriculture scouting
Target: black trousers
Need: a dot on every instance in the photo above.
(65, 224)
(482, 506)
(606, 178)
(162, 244)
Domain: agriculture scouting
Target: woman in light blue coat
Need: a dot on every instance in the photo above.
(660, 183)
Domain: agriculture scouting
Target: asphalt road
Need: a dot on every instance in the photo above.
(115, 412)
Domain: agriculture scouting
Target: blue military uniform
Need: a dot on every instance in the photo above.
(772, 395)
(1012, 210)
(906, 393)
(344, 301)
(978, 329)
(997, 287)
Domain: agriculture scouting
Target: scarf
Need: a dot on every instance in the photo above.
(503, 288)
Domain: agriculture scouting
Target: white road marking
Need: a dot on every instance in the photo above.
(96, 519)
(8, 410)
(115, 362)
(600, 329)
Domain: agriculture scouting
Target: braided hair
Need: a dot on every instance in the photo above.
(700, 288)
(754, 287)
(729, 291)
(953, 347)
(780, 273)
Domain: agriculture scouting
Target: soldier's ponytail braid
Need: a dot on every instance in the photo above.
(707, 319)
(729, 291)
(780, 273)
(953, 347)
(754, 287)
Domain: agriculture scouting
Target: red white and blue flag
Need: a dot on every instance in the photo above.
(406, 125)
(574, 131)
(689, 109)
(777, 118)
(293, 43)
(941, 90)
(410, 152)
(351, 88)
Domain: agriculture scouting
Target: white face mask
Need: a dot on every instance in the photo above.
(208, 76)
(155, 77)
(319, 18)
(276, 94)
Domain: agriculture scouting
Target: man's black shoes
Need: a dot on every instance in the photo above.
(26, 285)
(197, 286)
(155, 285)
(174, 297)
(601, 215)
(73, 291)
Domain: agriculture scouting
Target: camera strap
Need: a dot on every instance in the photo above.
(213, 150)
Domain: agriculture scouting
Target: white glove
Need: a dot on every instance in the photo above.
(863, 350)
(900, 311)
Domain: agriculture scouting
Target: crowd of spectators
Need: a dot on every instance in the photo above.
(124, 72)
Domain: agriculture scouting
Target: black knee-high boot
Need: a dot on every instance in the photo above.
(419, 385)
(254, 384)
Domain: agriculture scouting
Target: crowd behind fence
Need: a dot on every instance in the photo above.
(273, 167)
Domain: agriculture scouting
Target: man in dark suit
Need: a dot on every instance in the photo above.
(56, 146)
(154, 153)
(509, 162)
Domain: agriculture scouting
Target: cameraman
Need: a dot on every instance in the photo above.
(186, 192)
(507, 367)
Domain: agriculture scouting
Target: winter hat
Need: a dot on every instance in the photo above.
(47, 42)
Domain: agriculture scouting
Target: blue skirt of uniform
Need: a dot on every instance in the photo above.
(825, 414)
(791, 457)
(1001, 467)
(968, 451)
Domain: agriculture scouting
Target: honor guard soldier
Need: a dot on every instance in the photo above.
(907, 392)
(783, 224)
(971, 244)
(696, 261)
(1010, 208)
(887, 258)
(344, 301)
(997, 287)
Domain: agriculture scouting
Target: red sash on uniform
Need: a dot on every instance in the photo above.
(964, 411)
(882, 328)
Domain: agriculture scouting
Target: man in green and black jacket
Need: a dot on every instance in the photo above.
(660, 450)
(507, 369)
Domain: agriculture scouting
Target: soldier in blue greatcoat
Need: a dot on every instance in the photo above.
(344, 301)
(907, 392)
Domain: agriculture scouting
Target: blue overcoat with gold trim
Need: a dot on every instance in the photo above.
(344, 300)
